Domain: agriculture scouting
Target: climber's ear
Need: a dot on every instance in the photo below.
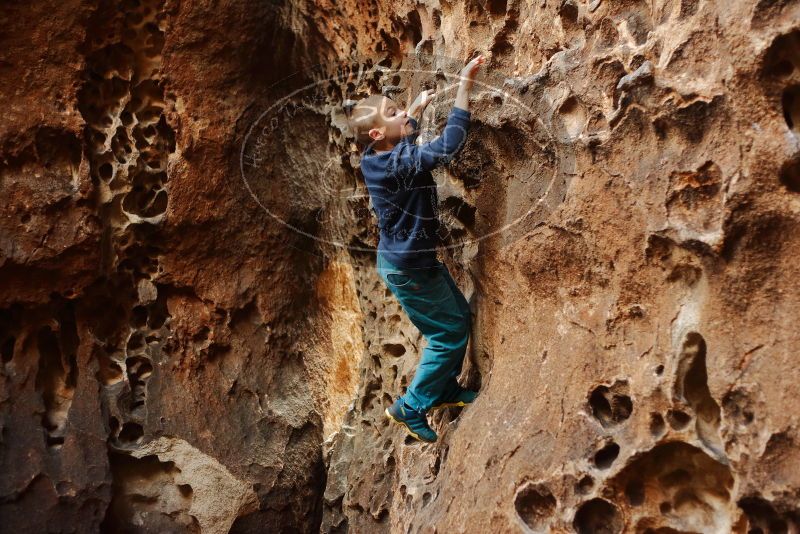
(376, 134)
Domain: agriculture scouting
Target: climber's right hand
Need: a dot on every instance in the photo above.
(468, 73)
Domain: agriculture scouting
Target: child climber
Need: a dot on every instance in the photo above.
(398, 176)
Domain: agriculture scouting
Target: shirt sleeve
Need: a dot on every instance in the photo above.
(411, 160)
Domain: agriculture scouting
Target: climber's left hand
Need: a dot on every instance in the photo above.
(417, 108)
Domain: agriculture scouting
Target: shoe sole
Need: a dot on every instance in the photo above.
(448, 404)
(408, 428)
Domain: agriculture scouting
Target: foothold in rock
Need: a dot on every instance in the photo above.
(640, 76)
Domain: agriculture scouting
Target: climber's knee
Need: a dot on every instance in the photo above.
(454, 334)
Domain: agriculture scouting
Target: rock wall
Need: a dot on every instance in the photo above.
(177, 357)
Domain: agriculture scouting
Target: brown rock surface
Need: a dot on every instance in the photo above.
(179, 355)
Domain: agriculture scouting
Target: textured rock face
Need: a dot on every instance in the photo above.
(623, 219)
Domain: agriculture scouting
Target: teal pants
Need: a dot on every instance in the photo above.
(435, 305)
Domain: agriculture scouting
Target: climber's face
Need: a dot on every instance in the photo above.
(391, 122)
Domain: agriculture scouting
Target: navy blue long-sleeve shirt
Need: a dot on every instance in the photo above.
(403, 192)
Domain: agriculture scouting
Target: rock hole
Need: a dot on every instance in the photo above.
(678, 419)
(738, 407)
(135, 342)
(158, 313)
(113, 425)
(426, 498)
(782, 57)
(791, 107)
(383, 516)
(109, 373)
(568, 11)
(762, 517)
(186, 490)
(585, 485)
(131, 433)
(139, 368)
(659, 370)
(611, 406)
(394, 349)
(437, 464)
(790, 174)
(106, 171)
(497, 7)
(573, 116)
(535, 505)
(604, 458)
(598, 516)
(145, 202)
(139, 316)
(7, 349)
(657, 425)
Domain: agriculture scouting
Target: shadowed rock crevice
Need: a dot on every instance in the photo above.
(691, 387)
(57, 375)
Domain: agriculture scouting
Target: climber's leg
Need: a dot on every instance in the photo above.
(428, 299)
(452, 386)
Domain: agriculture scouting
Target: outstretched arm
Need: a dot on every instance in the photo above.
(410, 159)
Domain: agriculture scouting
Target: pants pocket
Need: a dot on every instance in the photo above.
(398, 279)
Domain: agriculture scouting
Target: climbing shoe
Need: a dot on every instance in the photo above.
(415, 422)
(461, 398)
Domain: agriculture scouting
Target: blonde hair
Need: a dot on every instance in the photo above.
(362, 116)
